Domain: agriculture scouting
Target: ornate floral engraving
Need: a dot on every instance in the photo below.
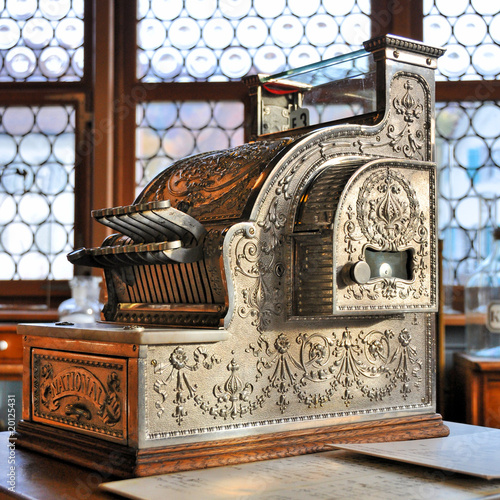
(408, 137)
(184, 390)
(387, 209)
(389, 218)
(349, 363)
(256, 259)
(233, 397)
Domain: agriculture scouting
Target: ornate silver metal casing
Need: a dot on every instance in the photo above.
(289, 283)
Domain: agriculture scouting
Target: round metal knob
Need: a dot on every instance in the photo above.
(3, 345)
(360, 272)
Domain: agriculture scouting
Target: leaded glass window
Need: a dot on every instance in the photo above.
(210, 40)
(37, 163)
(41, 40)
(470, 31)
(169, 131)
(468, 146)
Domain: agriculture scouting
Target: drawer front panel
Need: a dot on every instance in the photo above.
(83, 392)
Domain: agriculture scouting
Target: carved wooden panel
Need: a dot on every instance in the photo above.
(85, 393)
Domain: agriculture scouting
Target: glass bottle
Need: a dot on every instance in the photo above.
(84, 305)
(482, 305)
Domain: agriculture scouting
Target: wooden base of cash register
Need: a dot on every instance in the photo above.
(84, 402)
(122, 461)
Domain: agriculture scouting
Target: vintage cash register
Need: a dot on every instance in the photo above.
(266, 300)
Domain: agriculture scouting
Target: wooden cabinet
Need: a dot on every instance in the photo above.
(11, 353)
(477, 389)
(11, 344)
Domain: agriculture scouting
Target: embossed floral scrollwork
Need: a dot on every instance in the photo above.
(177, 367)
(256, 259)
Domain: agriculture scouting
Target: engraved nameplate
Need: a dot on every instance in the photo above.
(85, 393)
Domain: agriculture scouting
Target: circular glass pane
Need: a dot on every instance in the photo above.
(154, 167)
(165, 10)
(62, 269)
(201, 62)
(18, 120)
(495, 28)
(33, 266)
(469, 211)
(148, 143)
(37, 33)
(55, 9)
(34, 149)
(78, 8)
(495, 154)
(287, 31)
(267, 9)
(437, 30)
(237, 138)
(455, 61)
(487, 182)
(184, 33)
(77, 62)
(150, 34)
(17, 238)
(178, 143)
(20, 62)
(7, 266)
(167, 62)
(321, 30)
(252, 32)
(269, 59)
(486, 60)
(355, 29)
(33, 208)
(9, 33)
(211, 139)
(445, 213)
(51, 238)
(235, 9)
(51, 178)
(8, 149)
(300, 8)
(452, 9)
(69, 33)
(336, 8)
(218, 33)
(52, 120)
(201, 9)
(161, 115)
(17, 178)
(8, 209)
(452, 122)
(486, 120)
(64, 148)
(457, 244)
(485, 7)
(229, 115)
(455, 183)
(195, 115)
(54, 62)
(235, 62)
(470, 29)
(21, 9)
(63, 208)
(302, 55)
(471, 152)
(142, 63)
